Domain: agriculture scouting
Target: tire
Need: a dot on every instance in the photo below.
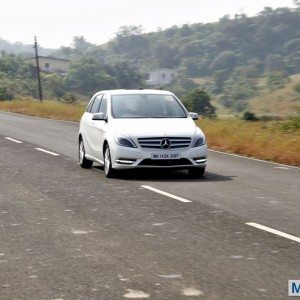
(108, 170)
(84, 163)
(196, 172)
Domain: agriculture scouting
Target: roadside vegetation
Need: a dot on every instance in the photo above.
(270, 140)
(47, 109)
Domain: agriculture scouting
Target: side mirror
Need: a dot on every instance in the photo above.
(99, 117)
(194, 116)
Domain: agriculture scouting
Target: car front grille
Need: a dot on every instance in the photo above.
(156, 142)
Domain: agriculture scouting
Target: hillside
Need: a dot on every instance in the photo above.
(280, 102)
(268, 41)
(230, 57)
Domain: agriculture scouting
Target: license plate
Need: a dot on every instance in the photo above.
(165, 155)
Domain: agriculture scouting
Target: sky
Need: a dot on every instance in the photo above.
(55, 22)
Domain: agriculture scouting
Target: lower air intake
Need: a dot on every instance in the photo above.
(165, 162)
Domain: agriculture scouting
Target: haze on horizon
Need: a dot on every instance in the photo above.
(56, 22)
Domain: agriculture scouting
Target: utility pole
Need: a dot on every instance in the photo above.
(38, 69)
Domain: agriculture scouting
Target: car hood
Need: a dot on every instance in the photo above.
(149, 127)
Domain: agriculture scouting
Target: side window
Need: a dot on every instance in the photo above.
(103, 106)
(96, 104)
(88, 108)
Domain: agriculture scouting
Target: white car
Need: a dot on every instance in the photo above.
(124, 129)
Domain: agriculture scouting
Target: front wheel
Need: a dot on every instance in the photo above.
(108, 170)
(84, 163)
(196, 172)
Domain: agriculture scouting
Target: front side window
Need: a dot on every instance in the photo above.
(96, 104)
(88, 109)
(146, 106)
(103, 106)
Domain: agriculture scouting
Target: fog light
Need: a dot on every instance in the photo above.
(125, 161)
(200, 160)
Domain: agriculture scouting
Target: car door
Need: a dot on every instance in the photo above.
(89, 127)
(99, 129)
(84, 124)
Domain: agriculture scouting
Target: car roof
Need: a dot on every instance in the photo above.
(129, 92)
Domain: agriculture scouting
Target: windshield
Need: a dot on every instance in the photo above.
(146, 106)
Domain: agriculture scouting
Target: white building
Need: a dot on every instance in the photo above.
(52, 64)
(161, 77)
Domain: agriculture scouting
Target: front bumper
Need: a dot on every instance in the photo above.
(130, 158)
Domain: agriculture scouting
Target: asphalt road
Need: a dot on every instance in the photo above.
(69, 233)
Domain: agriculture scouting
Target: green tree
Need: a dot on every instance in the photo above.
(80, 45)
(54, 84)
(5, 94)
(199, 101)
(124, 75)
(86, 76)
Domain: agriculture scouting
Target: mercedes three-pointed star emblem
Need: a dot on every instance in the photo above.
(165, 144)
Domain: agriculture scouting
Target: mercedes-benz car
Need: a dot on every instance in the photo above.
(125, 129)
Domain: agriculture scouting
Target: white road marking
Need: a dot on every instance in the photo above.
(170, 276)
(133, 294)
(165, 194)
(191, 292)
(46, 151)
(255, 159)
(274, 231)
(13, 140)
(81, 231)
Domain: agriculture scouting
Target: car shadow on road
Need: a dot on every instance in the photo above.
(167, 175)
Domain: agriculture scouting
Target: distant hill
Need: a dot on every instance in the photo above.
(22, 49)
(269, 41)
(266, 42)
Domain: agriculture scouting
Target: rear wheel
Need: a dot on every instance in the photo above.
(196, 172)
(84, 163)
(108, 170)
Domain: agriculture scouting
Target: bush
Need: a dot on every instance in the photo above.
(5, 94)
(290, 125)
(296, 87)
(267, 118)
(249, 116)
(69, 98)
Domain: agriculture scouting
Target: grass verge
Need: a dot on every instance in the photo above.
(264, 140)
(47, 109)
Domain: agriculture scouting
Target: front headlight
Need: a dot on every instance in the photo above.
(125, 142)
(199, 141)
